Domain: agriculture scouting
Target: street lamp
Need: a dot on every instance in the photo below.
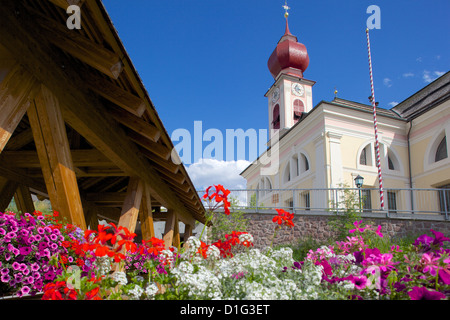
(359, 182)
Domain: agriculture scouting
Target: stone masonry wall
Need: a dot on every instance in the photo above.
(260, 225)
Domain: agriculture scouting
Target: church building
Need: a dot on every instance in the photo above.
(327, 145)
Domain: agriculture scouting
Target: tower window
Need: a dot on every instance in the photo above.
(299, 108)
(441, 152)
(276, 117)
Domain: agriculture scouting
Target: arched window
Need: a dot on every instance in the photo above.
(365, 158)
(299, 108)
(441, 151)
(304, 163)
(276, 117)
(287, 173)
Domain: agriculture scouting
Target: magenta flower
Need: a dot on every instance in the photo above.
(25, 251)
(422, 293)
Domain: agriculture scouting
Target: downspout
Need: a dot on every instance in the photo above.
(409, 164)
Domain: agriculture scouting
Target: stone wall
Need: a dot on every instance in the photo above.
(315, 226)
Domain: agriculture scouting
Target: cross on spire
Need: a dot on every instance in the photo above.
(286, 8)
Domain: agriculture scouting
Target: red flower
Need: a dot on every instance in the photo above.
(284, 218)
(220, 196)
(93, 294)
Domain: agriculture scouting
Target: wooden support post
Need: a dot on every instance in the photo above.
(187, 232)
(176, 233)
(16, 89)
(146, 216)
(131, 204)
(23, 199)
(52, 145)
(7, 193)
(169, 228)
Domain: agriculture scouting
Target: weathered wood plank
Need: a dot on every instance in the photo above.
(16, 90)
(50, 137)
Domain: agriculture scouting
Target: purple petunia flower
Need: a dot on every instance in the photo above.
(422, 293)
(5, 278)
(25, 251)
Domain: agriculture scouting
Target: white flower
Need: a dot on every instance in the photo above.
(120, 277)
(136, 292)
(151, 290)
(213, 253)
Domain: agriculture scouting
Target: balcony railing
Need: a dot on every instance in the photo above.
(397, 202)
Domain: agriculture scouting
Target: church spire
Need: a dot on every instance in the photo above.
(286, 15)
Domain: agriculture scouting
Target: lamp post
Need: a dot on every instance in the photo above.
(359, 182)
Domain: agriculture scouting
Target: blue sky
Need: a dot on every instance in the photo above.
(206, 60)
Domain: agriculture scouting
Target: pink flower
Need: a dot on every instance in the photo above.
(422, 293)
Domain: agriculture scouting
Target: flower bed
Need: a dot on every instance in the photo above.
(39, 254)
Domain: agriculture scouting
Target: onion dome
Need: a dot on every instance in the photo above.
(289, 56)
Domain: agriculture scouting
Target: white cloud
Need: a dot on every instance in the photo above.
(408, 75)
(393, 104)
(387, 82)
(208, 172)
(429, 76)
(419, 59)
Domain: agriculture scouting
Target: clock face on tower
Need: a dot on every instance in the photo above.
(298, 89)
(276, 95)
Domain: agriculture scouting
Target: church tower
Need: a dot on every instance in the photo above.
(290, 97)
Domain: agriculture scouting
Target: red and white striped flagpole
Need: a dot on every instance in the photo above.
(377, 145)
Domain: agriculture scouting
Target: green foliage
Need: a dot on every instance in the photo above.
(347, 212)
(223, 224)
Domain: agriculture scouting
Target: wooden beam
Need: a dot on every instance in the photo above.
(157, 148)
(50, 137)
(106, 197)
(66, 3)
(7, 191)
(21, 177)
(30, 159)
(113, 93)
(82, 111)
(146, 216)
(23, 199)
(187, 232)
(16, 90)
(75, 44)
(169, 229)
(169, 165)
(135, 123)
(20, 140)
(131, 204)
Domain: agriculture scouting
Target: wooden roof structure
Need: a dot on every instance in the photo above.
(77, 125)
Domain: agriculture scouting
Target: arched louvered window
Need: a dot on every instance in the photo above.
(299, 108)
(276, 117)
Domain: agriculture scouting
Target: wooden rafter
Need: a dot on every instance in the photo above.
(75, 44)
(50, 137)
(16, 90)
(65, 3)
